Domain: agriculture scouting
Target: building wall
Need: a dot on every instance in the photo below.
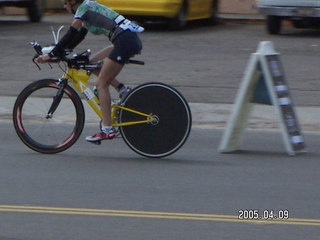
(238, 6)
(51, 4)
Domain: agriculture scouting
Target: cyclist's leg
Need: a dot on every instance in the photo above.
(109, 71)
(126, 45)
(101, 55)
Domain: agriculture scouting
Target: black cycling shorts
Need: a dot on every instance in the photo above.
(126, 45)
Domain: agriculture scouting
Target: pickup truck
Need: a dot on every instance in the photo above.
(34, 7)
(302, 13)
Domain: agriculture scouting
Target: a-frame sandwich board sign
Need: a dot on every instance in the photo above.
(264, 65)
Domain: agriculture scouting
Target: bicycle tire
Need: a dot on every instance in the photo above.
(42, 134)
(172, 129)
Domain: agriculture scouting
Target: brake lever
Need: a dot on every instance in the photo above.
(35, 62)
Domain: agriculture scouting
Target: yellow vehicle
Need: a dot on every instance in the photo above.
(176, 12)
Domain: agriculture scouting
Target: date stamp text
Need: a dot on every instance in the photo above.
(255, 214)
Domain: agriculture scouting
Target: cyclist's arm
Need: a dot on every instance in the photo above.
(67, 38)
(77, 23)
(64, 42)
(77, 39)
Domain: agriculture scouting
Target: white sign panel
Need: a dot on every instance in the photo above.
(264, 65)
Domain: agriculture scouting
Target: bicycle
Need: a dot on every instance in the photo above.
(154, 119)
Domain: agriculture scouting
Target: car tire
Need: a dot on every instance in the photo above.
(273, 24)
(299, 24)
(213, 19)
(35, 10)
(179, 22)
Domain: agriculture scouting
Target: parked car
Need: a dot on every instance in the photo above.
(176, 12)
(34, 7)
(302, 13)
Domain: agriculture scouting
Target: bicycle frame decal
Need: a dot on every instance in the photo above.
(79, 80)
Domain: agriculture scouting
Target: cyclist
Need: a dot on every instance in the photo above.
(99, 19)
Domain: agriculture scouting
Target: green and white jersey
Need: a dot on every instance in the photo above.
(97, 18)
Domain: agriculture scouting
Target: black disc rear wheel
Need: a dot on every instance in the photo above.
(172, 124)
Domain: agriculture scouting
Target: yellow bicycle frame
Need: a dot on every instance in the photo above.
(79, 80)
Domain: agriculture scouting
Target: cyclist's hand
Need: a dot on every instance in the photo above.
(43, 58)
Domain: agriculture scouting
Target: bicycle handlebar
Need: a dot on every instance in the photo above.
(77, 61)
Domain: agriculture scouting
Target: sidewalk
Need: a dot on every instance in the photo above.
(209, 116)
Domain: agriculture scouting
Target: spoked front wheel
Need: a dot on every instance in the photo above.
(171, 123)
(44, 123)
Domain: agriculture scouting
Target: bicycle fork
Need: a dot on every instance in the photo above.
(57, 98)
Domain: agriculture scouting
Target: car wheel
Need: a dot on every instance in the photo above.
(35, 10)
(180, 20)
(298, 24)
(213, 19)
(273, 24)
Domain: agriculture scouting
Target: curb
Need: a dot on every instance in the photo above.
(241, 18)
(208, 116)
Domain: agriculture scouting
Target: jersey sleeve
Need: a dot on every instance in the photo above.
(82, 9)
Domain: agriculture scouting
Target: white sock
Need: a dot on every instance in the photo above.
(106, 129)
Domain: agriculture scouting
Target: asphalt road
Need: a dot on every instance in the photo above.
(109, 192)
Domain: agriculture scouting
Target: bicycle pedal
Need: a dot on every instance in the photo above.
(97, 143)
